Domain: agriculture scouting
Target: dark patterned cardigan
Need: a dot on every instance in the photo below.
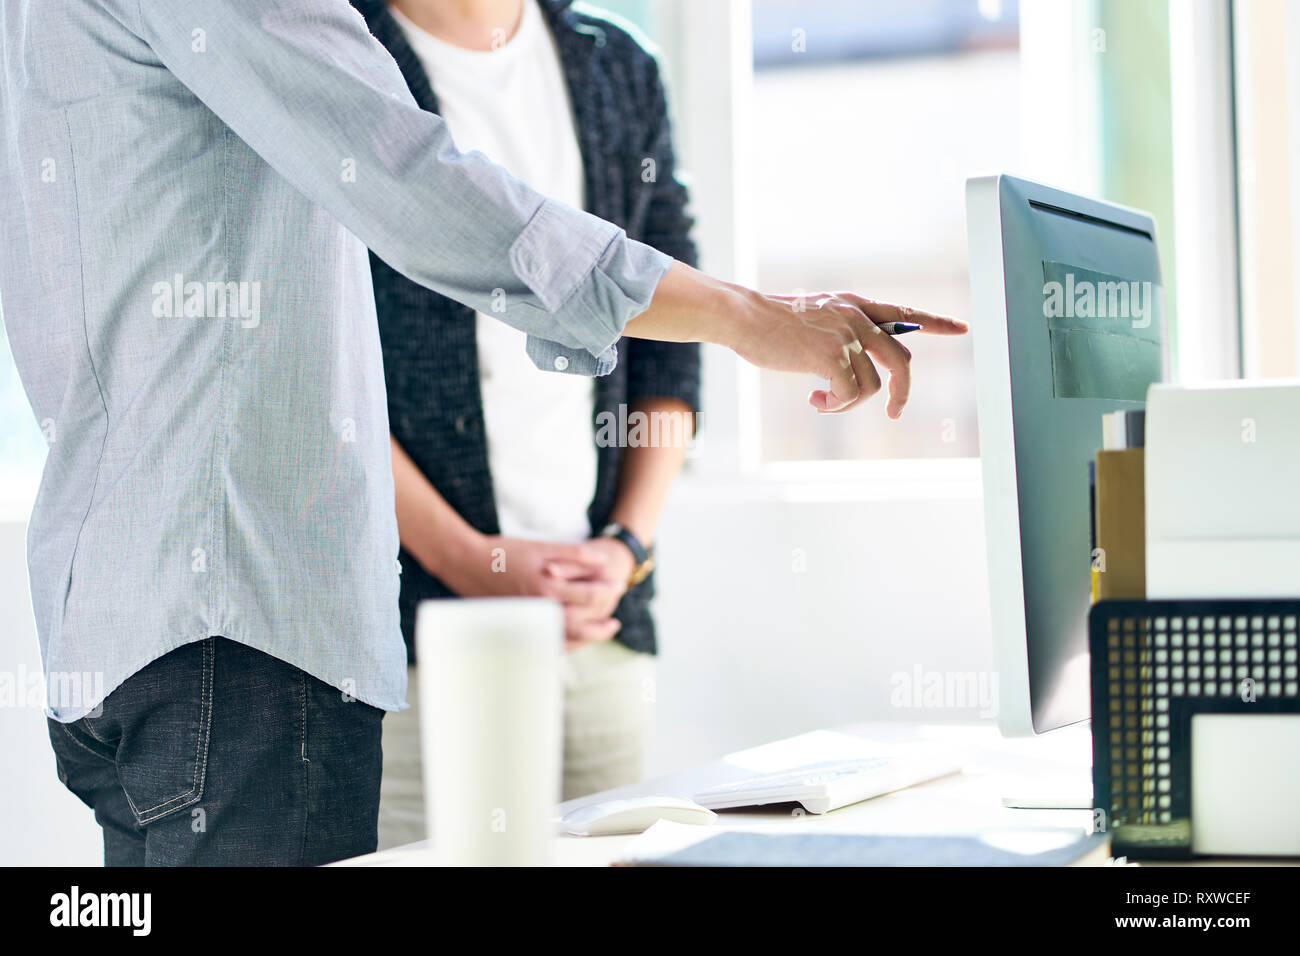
(429, 344)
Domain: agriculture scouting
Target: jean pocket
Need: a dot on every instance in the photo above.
(162, 755)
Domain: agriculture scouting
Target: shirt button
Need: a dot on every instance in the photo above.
(461, 424)
(561, 363)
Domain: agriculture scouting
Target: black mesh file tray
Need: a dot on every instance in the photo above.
(1154, 665)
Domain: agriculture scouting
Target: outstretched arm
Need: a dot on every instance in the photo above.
(832, 335)
(307, 87)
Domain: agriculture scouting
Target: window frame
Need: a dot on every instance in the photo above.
(1053, 48)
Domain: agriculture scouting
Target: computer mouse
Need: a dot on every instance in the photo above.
(632, 815)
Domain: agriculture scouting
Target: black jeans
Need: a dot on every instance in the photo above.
(217, 754)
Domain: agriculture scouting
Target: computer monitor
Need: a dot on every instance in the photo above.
(1068, 324)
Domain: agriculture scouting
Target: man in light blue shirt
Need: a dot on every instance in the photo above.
(189, 190)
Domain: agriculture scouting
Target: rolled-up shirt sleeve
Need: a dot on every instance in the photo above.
(596, 301)
(307, 87)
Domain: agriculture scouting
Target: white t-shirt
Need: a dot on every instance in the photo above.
(511, 104)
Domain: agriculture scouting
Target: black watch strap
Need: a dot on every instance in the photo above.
(640, 553)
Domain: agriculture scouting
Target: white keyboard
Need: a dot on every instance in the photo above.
(830, 784)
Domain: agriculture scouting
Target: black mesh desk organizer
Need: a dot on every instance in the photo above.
(1154, 665)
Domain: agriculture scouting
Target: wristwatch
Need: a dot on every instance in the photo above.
(643, 556)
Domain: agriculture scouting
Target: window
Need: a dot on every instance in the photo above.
(1267, 111)
(870, 116)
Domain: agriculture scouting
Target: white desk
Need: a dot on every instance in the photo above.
(961, 803)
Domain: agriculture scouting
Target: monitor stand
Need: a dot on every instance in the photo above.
(1052, 771)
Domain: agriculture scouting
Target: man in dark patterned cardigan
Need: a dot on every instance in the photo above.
(504, 472)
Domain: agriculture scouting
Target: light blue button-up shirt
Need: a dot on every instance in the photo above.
(187, 191)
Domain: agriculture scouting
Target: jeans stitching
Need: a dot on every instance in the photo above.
(85, 723)
(68, 733)
(201, 747)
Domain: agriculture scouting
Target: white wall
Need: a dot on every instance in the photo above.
(752, 650)
(41, 823)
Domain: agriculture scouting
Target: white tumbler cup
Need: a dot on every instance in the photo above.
(491, 728)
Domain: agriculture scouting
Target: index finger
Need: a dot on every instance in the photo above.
(930, 322)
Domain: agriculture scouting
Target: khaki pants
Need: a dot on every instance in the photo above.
(608, 697)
